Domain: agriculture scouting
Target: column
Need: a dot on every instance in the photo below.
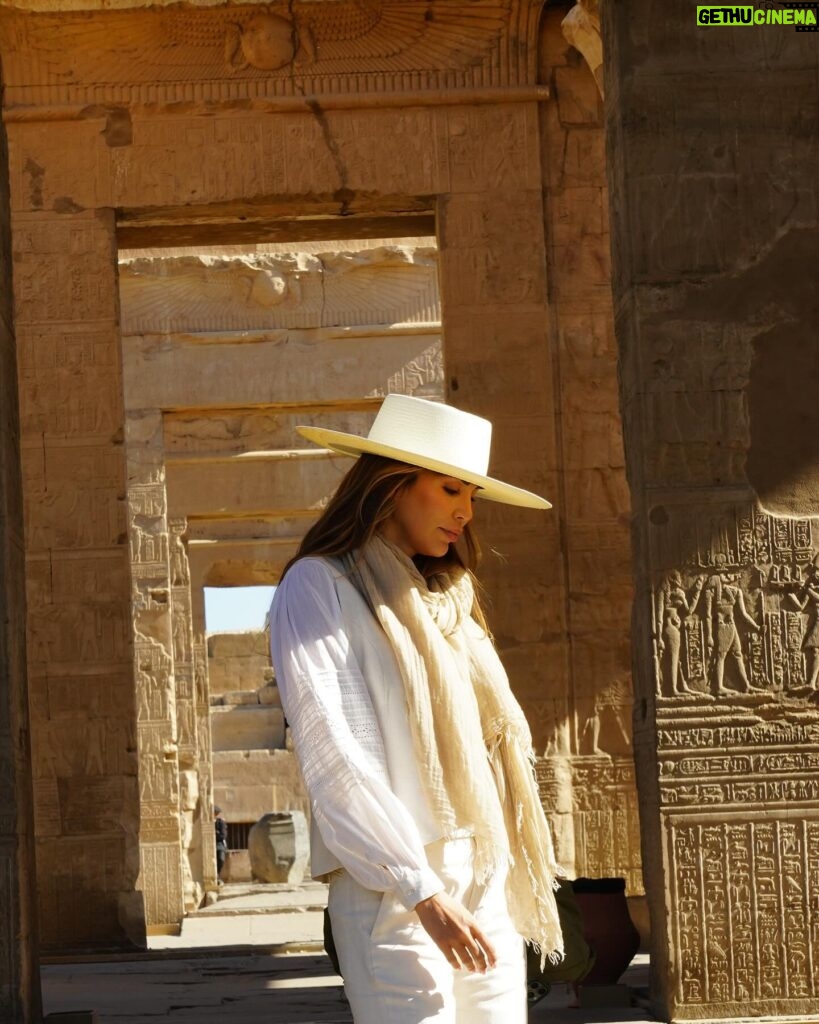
(196, 796)
(716, 322)
(80, 653)
(19, 975)
(498, 362)
(156, 644)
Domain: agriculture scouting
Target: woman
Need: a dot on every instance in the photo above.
(416, 756)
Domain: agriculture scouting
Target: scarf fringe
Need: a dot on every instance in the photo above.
(471, 738)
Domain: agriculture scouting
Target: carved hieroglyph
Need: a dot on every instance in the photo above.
(390, 285)
(193, 728)
(302, 48)
(739, 620)
(156, 648)
(735, 636)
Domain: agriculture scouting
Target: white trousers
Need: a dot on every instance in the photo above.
(393, 971)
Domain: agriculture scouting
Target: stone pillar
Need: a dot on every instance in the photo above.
(203, 824)
(19, 976)
(196, 798)
(714, 240)
(79, 638)
(592, 503)
(156, 643)
(498, 363)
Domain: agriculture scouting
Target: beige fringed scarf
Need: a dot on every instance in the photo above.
(472, 740)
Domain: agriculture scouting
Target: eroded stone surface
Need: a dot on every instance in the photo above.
(279, 847)
(228, 393)
(726, 724)
(237, 661)
(19, 977)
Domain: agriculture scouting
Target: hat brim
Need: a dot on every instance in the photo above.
(488, 487)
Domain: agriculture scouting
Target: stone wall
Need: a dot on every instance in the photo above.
(19, 974)
(254, 768)
(472, 165)
(214, 344)
(584, 710)
(250, 780)
(715, 231)
(238, 661)
(78, 584)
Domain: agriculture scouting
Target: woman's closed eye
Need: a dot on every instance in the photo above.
(456, 489)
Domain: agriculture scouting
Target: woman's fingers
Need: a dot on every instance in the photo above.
(456, 933)
(479, 950)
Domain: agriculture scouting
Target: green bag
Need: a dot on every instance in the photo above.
(579, 958)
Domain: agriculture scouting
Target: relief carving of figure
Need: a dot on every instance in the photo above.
(179, 559)
(181, 648)
(807, 598)
(723, 602)
(267, 42)
(610, 707)
(673, 606)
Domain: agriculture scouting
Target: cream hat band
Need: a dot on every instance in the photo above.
(433, 436)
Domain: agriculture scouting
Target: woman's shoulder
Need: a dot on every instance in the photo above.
(311, 572)
(315, 565)
(308, 588)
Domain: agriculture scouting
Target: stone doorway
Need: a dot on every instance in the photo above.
(224, 349)
(235, 159)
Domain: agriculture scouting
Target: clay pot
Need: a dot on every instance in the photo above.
(608, 927)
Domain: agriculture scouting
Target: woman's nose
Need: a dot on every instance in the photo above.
(464, 512)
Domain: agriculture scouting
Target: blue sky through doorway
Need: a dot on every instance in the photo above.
(233, 609)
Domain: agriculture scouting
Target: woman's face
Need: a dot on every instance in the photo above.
(430, 514)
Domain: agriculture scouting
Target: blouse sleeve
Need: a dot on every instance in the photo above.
(337, 740)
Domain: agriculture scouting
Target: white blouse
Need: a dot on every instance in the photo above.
(342, 692)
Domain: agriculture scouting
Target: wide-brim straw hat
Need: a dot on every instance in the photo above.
(433, 436)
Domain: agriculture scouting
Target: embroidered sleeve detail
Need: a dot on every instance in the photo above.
(337, 740)
(335, 732)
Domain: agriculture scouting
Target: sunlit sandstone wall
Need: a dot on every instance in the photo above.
(79, 618)
(229, 337)
(715, 230)
(19, 977)
(253, 771)
(588, 769)
(469, 116)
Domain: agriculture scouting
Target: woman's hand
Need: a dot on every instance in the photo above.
(456, 933)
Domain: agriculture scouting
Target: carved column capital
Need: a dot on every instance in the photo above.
(581, 28)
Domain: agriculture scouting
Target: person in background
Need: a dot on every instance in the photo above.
(221, 829)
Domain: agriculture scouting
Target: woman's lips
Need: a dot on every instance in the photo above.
(453, 535)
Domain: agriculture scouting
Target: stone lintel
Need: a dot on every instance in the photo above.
(241, 563)
(247, 488)
(174, 375)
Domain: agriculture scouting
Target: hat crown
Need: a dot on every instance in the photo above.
(435, 432)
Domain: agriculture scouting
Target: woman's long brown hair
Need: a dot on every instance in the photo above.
(363, 501)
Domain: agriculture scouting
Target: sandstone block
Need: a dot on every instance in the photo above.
(237, 697)
(578, 99)
(270, 695)
(249, 783)
(247, 727)
(279, 847)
